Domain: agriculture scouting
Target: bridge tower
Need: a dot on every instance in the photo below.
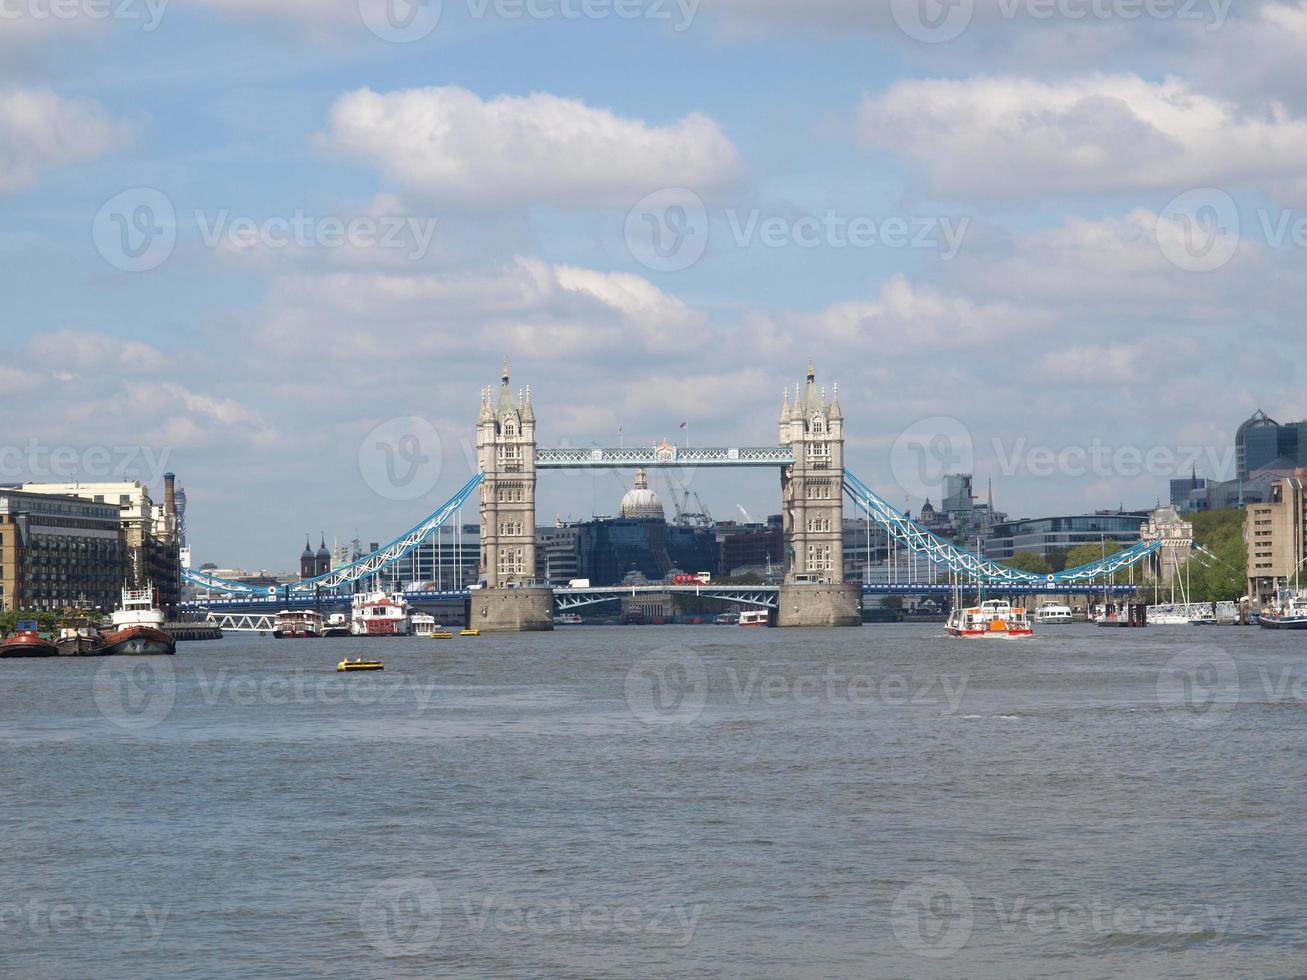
(506, 449)
(812, 508)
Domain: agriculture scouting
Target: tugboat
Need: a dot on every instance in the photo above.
(993, 619)
(138, 627)
(27, 641)
(298, 624)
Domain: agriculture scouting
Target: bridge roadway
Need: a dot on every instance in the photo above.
(762, 596)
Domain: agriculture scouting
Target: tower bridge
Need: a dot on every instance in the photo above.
(814, 482)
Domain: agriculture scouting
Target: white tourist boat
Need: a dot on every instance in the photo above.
(1054, 612)
(298, 624)
(755, 617)
(993, 619)
(379, 614)
(424, 624)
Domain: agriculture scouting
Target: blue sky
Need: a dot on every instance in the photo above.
(1099, 212)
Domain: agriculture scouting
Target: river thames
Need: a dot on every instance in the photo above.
(662, 801)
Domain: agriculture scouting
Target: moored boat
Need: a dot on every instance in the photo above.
(138, 627)
(298, 624)
(336, 625)
(754, 617)
(1054, 613)
(993, 619)
(379, 614)
(1290, 613)
(424, 625)
(27, 641)
(79, 635)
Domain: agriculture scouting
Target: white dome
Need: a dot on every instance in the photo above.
(641, 503)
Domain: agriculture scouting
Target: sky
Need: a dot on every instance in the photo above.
(280, 246)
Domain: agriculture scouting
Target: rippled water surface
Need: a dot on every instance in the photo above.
(662, 801)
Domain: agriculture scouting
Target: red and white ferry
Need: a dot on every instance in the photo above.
(138, 626)
(298, 624)
(379, 614)
(993, 619)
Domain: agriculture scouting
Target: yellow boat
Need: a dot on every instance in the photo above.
(470, 631)
(442, 635)
(360, 664)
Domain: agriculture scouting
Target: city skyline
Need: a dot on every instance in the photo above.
(859, 215)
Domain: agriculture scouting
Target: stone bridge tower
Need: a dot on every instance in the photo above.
(506, 450)
(812, 508)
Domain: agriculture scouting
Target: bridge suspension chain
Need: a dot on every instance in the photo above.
(945, 554)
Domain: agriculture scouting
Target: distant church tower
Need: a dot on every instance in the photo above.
(322, 560)
(506, 444)
(812, 497)
(307, 561)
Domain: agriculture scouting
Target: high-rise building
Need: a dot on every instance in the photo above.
(149, 531)
(58, 551)
(1276, 533)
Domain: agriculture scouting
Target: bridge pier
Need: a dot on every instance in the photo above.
(805, 604)
(520, 610)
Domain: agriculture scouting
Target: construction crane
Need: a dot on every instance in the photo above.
(685, 516)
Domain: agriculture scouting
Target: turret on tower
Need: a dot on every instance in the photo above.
(812, 508)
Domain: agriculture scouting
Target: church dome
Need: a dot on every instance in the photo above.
(641, 503)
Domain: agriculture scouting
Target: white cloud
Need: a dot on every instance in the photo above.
(1096, 134)
(83, 352)
(907, 316)
(519, 150)
(40, 131)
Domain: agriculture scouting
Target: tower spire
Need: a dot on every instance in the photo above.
(504, 374)
(812, 374)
